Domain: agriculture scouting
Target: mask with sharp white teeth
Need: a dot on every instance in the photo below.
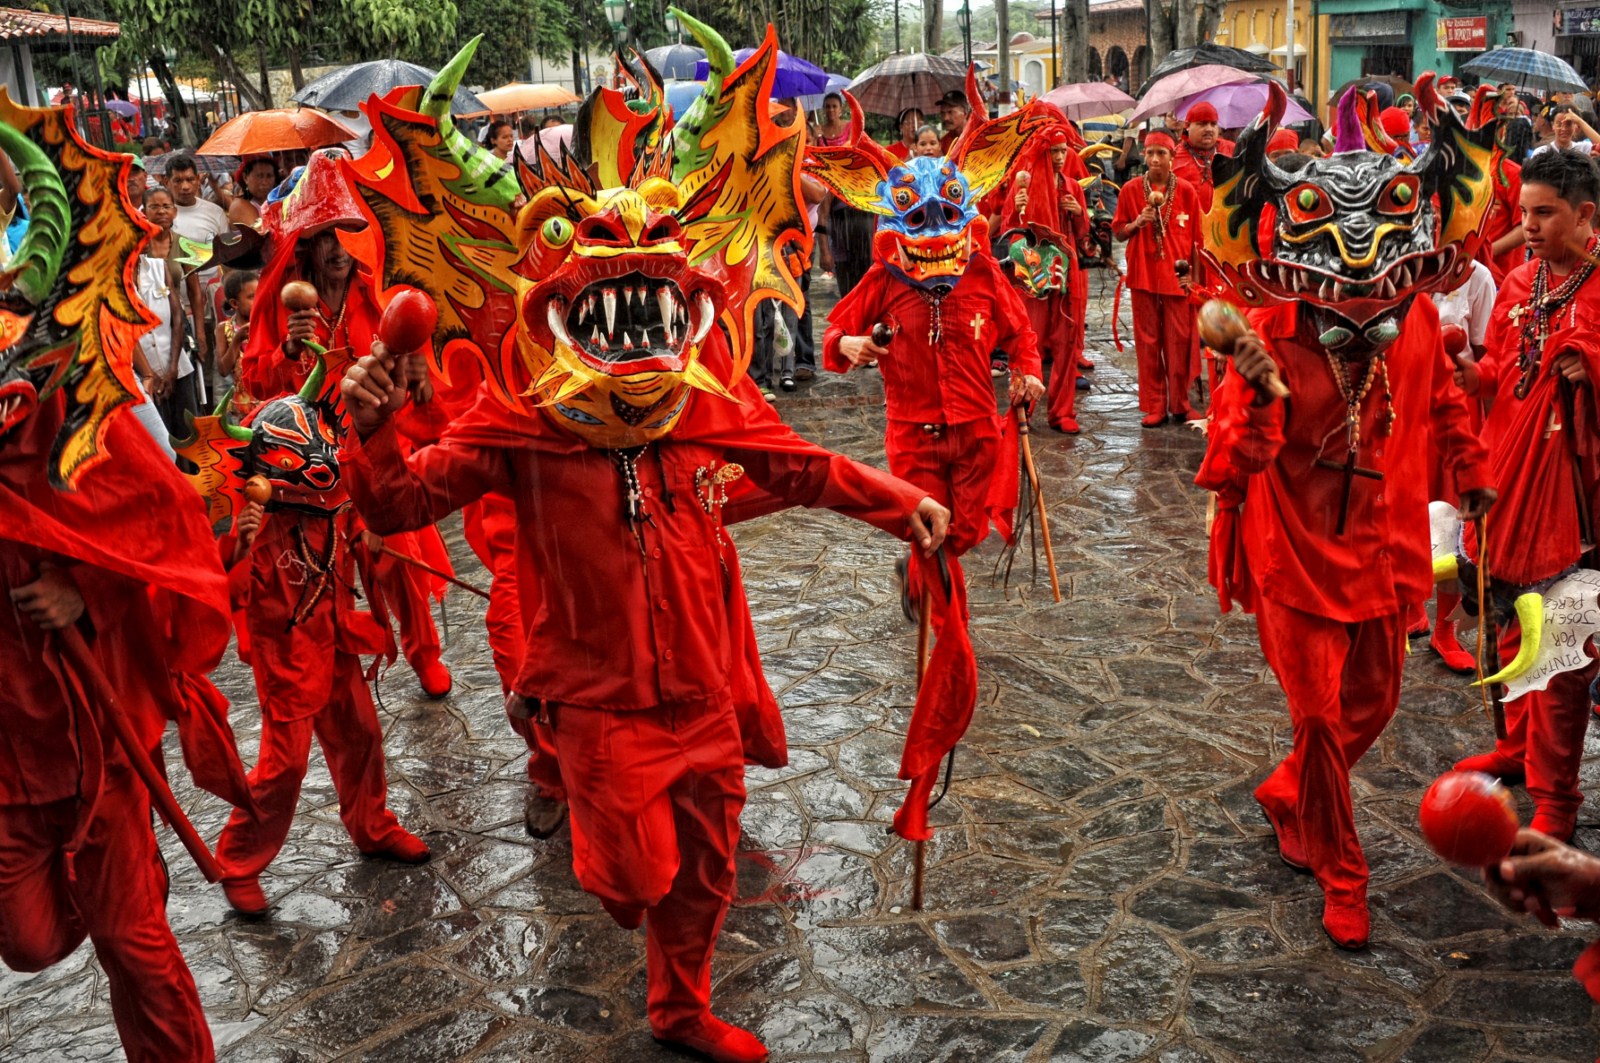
(1359, 234)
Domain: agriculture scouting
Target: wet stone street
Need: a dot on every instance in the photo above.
(1101, 888)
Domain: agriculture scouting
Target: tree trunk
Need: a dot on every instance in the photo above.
(1184, 24)
(296, 74)
(1210, 17)
(1002, 37)
(177, 109)
(1161, 35)
(247, 88)
(932, 26)
(1075, 32)
(266, 80)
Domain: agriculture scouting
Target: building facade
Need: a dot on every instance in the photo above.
(1404, 38)
(1571, 31)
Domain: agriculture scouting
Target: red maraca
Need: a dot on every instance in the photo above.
(1455, 339)
(1468, 818)
(408, 322)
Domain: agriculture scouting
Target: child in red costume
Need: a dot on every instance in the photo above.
(1540, 370)
(295, 564)
(1322, 523)
(1163, 260)
(308, 247)
(1050, 200)
(643, 669)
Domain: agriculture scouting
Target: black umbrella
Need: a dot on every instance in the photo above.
(1221, 54)
(675, 62)
(347, 88)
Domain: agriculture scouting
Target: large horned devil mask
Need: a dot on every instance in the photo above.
(1359, 234)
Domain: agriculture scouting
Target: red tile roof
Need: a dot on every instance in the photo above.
(17, 24)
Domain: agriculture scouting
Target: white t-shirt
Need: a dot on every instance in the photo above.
(1584, 146)
(1469, 305)
(202, 221)
(157, 295)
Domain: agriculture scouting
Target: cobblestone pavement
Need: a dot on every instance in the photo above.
(1102, 887)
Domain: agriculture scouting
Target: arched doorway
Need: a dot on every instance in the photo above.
(1141, 68)
(1117, 66)
(1095, 73)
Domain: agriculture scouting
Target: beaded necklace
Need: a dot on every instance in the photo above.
(1544, 306)
(1163, 213)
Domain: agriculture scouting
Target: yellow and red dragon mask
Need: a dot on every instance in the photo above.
(588, 284)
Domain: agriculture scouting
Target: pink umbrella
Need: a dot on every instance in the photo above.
(1166, 95)
(1088, 100)
(1238, 105)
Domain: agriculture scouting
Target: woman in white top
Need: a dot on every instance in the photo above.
(171, 381)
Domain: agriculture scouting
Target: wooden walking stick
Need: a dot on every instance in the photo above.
(919, 849)
(104, 698)
(389, 551)
(1023, 433)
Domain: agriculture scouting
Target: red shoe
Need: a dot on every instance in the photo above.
(1155, 420)
(1348, 925)
(1068, 425)
(1497, 764)
(245, 896)
(1558, 827)
(716, 1040)
(403, 847)
(434, 677)
(1448, 647)
(1291, 850)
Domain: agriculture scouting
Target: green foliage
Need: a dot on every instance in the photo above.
(512, 29)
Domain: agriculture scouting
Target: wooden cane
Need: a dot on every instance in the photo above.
(110, 712)
(919, 853)
(1023, 432)
(385, 548)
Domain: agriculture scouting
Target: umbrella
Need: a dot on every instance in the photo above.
(836, 83)
(1207, 54)
(1400, 86)
(680, 94)
(122, 108)
(288, 129)
(1238, 105)
(1526, 69)
(554, 139)
(347, 88)
(221, 165)
(795, 76)
(1165, 95)
(521, 96)
(902, 81)
(1089, 100)
(675, 61)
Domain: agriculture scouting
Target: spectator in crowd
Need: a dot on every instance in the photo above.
(501, 139)
(551, 121)
(201, 221)
(172, 383)
(1568, 131)
(908, 123)
(527, 126)
(928, 144)
(233, 332)
(256, 178)
(953, 112)
(138, 182)
(834, 131)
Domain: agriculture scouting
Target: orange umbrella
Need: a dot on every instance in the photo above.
(286, 129)
(520, 96)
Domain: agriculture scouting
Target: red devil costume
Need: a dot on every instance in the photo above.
(1057, 318)
(1322, 525)
(1163, 319)
(1542, 435)
(1196, 165)
(322, 200)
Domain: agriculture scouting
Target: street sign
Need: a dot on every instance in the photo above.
(1463, 34)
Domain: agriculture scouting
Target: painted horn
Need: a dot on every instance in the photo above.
(1530, 616)
(37, 262)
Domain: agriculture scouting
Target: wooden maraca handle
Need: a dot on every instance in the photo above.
(1221, 327)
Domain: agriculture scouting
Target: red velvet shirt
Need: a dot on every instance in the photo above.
(952, 385)
(1291, 506)
(1146, 272)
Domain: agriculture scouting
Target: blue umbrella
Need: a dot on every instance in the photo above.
(795, 77)
(836, 83)
(675, 61)
(1526, 69)
(680, 94)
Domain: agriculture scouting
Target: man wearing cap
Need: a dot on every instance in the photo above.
(1163, 259)
(953, 111)
(1200, 146)
(1396, 124)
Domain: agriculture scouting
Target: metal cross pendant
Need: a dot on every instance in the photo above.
(1351, 470)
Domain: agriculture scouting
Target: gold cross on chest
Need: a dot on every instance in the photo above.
(977, 325)
(1516, 312)
(1183, 219)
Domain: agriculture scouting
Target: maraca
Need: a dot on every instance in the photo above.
(882, 334)
(1221, 326)
(1156, 198)
(258, 489)
(408, 322)
(1455, 339)
(300, 295)
(1468, 818)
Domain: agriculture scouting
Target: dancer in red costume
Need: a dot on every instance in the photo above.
(1322, 523)
(1048, 210)
(101, 540)
(620, 428)
(1163, 258)
(294, 561)
(1195, 158)
(307, 246)
(1542, 361)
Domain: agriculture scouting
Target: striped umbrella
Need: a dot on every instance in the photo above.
(1526, 69)
(902, 81)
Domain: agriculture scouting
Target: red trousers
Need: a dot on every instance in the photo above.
(405, 588)
(352, 742)
(954, 466)
(655, 798)
(1544, 733)
(1342, 682)
(117, 897)
(1163, 339)
(1055, 330)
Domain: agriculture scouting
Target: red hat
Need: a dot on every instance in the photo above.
(1159, 139)
(1202, 112)
(1395, 122)
(1056, 134)
(1283, 140)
